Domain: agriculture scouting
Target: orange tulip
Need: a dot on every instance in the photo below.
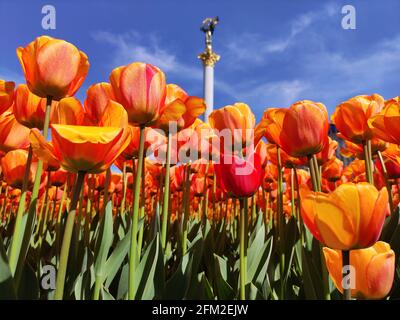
(373, 270)
(351, 117)
(391, 158)
(98, 96)
(196, 141)
(68, 111)
(385, 125)
(328, 152)
(58, 178)
(234, 118)
(6, 95)
(332, 170)
(141, 90)
(351, 217)
(13, 166)
(177, 178)
(304, 129)
(270, 125)
(12, 134)
(180, 108)
(82, 148)
(114, 115)
(53, 67)
(198, 185)
(355, 172)
(29, 109)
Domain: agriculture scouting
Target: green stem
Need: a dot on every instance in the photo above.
(387, 182)
(133, 257)
(69, 226)
(141, 212)
(368, 161)
(166, 195)
(281, 223)
(124, 183)
(27, 232)
(18, 232)
(316, 181)
(186, 206)
(243, 247)
(317, 169)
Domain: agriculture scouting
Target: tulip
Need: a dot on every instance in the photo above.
(239, 120)
(68, 111)
(98, 96)
(373, 270)
(180, 108)
(270, 125)
(12, 134)
(240, 176)
(351, 117)
(6, 95)
(13, 168)
(391, 158)
(351, 217)
(304, 129)
(58, 178)
(384, 125)
(328, 152)
(198, 185)
(29, 109)
(81, 148)
(333, 169)
(197, 141)
(141, 90)
(177, 178)
(53, 67)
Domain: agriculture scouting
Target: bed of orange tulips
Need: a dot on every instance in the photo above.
(129, 195)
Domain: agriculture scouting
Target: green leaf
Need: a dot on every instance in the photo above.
(223, 290)
(123, 282)
(176, 286)
(258, 257)
(311, 277)
(116, 259)
(150, 272)
(104, 241)
(105, 294)
(7, 288)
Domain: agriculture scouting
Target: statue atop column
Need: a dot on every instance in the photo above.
(209, 57)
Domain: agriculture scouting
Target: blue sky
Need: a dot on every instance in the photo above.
(273, 52)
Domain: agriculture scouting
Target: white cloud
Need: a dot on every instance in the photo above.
(132, 46)
(325, 76)
(255, 48)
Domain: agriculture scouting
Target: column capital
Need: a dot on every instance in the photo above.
(209, 58)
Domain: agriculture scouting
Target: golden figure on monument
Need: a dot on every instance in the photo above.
(209, 57)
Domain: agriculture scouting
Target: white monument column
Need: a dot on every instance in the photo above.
(209, 58)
